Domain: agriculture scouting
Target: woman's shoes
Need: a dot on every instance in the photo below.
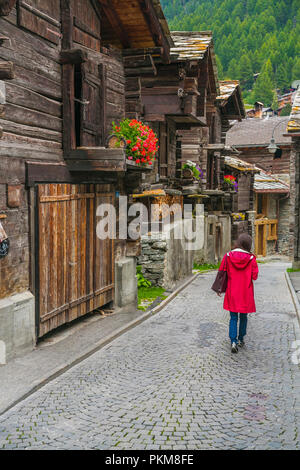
(241, 343)
(234, 348)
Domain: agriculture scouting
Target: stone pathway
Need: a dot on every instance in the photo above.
(172, 383)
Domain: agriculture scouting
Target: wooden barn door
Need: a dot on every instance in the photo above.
(74, 268)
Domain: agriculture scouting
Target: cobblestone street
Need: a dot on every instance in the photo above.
(172, 383)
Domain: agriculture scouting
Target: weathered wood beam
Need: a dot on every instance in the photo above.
(73, 56)
(67, 24)
(7, 71)
(6, 6)
(131, 72)
(139, 65)
(154, 51)
(115, 22)
(155, 27)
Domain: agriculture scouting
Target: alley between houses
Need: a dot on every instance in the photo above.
(172, 383)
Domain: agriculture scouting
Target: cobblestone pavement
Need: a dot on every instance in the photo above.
(172, 383)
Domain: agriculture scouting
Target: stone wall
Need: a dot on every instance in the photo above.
(166, 259)
(285, 231)
(217, 240)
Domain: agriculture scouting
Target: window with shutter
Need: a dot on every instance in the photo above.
(91, 128)
(84, 110)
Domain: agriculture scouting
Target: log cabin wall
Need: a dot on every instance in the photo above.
(32, 124)
(33, 120)
(261, 157)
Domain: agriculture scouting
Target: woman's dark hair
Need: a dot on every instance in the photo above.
(244, 242)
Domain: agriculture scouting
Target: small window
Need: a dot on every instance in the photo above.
(211, 229)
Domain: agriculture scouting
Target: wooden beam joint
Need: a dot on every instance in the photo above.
(7, 71)
(73, 56)
(6, 6)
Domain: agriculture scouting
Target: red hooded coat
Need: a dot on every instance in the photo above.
(242, 270)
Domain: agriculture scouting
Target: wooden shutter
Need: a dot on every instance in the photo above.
(92, 106)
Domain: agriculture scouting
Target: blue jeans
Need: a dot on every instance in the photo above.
(233, 326)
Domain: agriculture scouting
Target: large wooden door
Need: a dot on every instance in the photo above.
(75, 272)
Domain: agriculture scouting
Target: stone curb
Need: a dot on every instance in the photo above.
(101, 344)
(295, 302)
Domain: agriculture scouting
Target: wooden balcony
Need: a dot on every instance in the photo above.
(96, 159)
(101, 159)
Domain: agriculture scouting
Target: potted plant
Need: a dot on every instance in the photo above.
(191, 171)
(230, 183)
(141, 141)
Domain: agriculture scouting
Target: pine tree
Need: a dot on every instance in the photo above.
(264, 86)
(286, 110)
(275, 104)
(232, 71)
(281, 77)
(245, 73)
(296, 70)
(260, 29)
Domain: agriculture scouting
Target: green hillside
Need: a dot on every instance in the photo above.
(251, 37)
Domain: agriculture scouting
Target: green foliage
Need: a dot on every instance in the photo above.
(292, 270)
(147, 295)
(275, 104)
(142, 282)
(264, 86)
(286, 110)
(205, 267)
(247, 34)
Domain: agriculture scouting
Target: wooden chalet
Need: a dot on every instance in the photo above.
(190, 112)
(242, 198)
(260, 206)
(251, 138)
(69, 83)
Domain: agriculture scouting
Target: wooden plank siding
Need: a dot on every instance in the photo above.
(75, 268)
(261, 157)
(33, 129)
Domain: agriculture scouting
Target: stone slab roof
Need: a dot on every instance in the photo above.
(190, 45)
(227, 88)
(240, 165)
(258, 132)
(263, 181)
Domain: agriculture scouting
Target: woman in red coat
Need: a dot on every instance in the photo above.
(242, 270)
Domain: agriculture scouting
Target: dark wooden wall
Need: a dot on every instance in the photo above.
(33, 120)
(264, 159)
